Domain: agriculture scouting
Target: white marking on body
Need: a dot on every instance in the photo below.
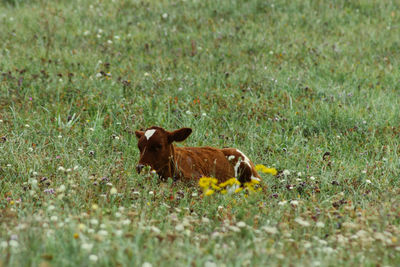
(149, 133)
(237, 166)
(255, 178)
(246, 159)
(231, 157)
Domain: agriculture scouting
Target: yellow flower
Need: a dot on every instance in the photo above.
(215, 187)
(264, 169)
(76, 235)
(205, 182)
(209, 192)
(238, 190)
(229, 182)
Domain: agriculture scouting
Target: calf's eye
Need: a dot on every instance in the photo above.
(156, 147)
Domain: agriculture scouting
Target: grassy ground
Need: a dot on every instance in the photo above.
(310, 87)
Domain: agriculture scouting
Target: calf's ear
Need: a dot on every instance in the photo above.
(139, 134)
(179, 135)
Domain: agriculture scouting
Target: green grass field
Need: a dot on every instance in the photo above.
(310, 88)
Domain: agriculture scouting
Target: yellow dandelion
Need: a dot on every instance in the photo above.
(264, 169)
(205, 182)
(238, 189)
(209, 192)
(215, 187)
(229, 182)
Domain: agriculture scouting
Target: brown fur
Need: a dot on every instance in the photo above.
(188, 163)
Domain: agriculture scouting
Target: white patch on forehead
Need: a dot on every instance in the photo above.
(231, 157)
(149, 133)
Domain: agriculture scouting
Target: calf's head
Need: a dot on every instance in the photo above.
(155, 146)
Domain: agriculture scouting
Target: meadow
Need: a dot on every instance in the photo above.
(310, 88)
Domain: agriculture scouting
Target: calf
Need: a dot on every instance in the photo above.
(158, 151)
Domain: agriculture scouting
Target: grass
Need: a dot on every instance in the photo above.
(309, 87)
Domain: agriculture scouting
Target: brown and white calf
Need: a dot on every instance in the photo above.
(187, 163)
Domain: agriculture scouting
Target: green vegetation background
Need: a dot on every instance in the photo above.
(311, 87)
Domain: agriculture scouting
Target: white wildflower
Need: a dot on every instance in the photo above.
(210, 264)
(282, 203)
(179, 227)
(61, 188)
(234, 228)
(205, 220)
(270, 230)
(93, 258)
(302, 222)
(3, 244)
(126, 222)
(13, 243)
(50, 208)
(87, 246)
(155, 230)
(241, 224)
(103, 232)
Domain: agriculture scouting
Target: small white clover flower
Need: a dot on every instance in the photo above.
(113, 191)
(270, 230)
(302, 222)
(179, 227)
(87, 246)
(13, 243)
(93, 258)
(241, 224)
(103, 232)
(94, 221)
